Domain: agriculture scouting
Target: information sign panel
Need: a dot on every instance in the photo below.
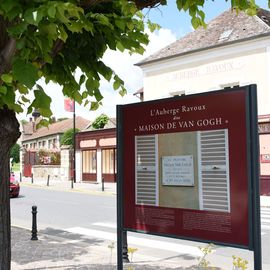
(187, 167)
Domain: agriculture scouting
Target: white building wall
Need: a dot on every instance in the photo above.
(57, 144)
(65, 164)
(267, 75)
(213, 69)
(46, 140)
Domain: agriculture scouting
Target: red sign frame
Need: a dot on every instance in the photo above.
(219, 110)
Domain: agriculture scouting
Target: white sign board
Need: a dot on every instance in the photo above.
(177, 171)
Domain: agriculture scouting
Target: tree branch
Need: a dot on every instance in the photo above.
(58, 46)
(3, 33)
(6, 55)
(139, 3)
(7, 47)
(147, 4)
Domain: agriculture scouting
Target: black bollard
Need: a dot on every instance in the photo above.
(48, 180)
(20, 177)
(102, 182)
(32, 178)
(34, 223)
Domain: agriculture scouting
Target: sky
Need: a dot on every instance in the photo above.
(174, 25)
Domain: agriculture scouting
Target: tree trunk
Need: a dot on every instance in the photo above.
(9, 133)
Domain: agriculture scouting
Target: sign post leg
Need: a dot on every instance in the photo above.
(120, 204)
(119, 249)
(125, 248)
(256, 180)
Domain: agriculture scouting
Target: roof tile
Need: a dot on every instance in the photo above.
(227, 27)
(57, 128)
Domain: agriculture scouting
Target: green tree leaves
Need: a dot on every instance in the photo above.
(100, 121)
(67, 137)
(15, 153)
(54, 39)
(3, 90)
(41, 102)
(195, 9)
(7, 78)
(25, 73)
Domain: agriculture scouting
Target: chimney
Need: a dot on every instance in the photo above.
(34, 126)
(36, 115)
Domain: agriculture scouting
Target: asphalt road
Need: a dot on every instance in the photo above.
(95, 216)
(60, 210)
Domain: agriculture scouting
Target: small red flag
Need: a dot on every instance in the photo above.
(69, 105)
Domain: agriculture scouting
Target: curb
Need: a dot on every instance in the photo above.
(78, 190)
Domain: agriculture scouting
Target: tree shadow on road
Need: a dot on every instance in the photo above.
(64, 236)
(57, 249)
(53, 247)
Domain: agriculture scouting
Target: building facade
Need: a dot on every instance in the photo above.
(48, 138)
(34, 139)
(232, 50)
(264, 131)
(96, 155)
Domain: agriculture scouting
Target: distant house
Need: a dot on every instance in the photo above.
(48, 137)
(34, 139)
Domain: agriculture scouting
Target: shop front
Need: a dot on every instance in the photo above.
(264, 138)
(97, 155)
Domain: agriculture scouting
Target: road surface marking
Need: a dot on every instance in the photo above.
(105, 224)
(265, 218)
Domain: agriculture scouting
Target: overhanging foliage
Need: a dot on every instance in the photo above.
(52, 39)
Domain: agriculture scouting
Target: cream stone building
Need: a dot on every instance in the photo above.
(233, 50)
(34, 139)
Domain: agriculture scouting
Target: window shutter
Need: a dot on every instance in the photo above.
(214, 170)
(146, 175)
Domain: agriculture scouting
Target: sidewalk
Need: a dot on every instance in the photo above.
(61, 250)
(55, 184)
(55, 252)
(67, 251)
